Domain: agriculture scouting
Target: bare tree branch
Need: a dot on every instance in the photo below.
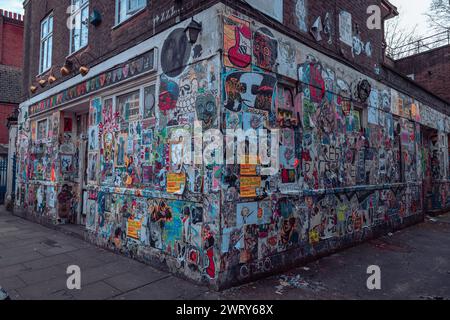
(400, 41)
(439, 15)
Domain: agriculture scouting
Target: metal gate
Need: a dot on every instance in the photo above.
(3, 178)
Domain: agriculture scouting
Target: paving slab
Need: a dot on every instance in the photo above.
(415, 264)
(129, 281)
(95, 291)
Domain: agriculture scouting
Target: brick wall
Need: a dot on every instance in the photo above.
(331, 46)
(358, 10)
(105, 40)
(11, 39)
(10, 88)
(5, 111)
(11, 61)
(430, 69)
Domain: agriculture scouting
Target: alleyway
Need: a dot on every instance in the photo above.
(415, 264)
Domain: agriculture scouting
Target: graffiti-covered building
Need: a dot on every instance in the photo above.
(142, 117)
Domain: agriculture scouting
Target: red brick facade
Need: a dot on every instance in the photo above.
(429, 69)
(110, 39)
(11, 39)
(105, 40)
(11, 62)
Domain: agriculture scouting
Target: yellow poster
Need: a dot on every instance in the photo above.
(249, 185)
(176, 183)
(133, 228)
(248, 170)
(314, 237)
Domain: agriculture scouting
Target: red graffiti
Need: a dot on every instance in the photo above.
(211, 269)
(317, 84)
(239, 54)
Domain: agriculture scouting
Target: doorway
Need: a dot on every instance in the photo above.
(430, 166)
(73, 155)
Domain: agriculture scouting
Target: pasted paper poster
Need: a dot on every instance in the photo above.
(176, 183)
(133, 228)
(345, 28)
(249, 185)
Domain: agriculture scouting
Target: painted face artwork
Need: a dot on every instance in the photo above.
(265, 49)
(206, 109)
(249, 90)
(249, 82)
(188, 94)
(310, 74)
(168, 95)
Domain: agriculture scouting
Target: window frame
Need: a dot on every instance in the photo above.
(129, 14)
(38, 122)
(43, 40)
(137, 91)
(115, 94)
(79, 11)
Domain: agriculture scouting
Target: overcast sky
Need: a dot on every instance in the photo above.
(12, 5)
(411, 11)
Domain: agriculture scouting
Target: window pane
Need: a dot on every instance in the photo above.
(42, 57)
(122, 10)
(46, 43)
(128, 106)
(50, 25)
(49, 54)
(44, 29)
(76, 4)
(45, 63)
(126, 8)
(149, 102)
(76, 33)
(44, 66)
(134, 5)
(42, 129)
(84, 26)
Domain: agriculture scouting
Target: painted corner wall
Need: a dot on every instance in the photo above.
(353, 154)
(352, 157)
(138, 202)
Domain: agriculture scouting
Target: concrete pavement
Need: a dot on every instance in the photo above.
(34, 260)
(415, 264)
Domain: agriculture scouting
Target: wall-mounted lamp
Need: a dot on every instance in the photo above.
(68, 66)
(193, 30)
(33, 89)
(42, 82)
(66, 69)
(51, 79)
(84, 70)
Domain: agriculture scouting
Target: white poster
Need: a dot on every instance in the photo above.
(345, 28)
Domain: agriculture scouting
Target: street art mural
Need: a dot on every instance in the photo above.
(237, 43)
(352, 159)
